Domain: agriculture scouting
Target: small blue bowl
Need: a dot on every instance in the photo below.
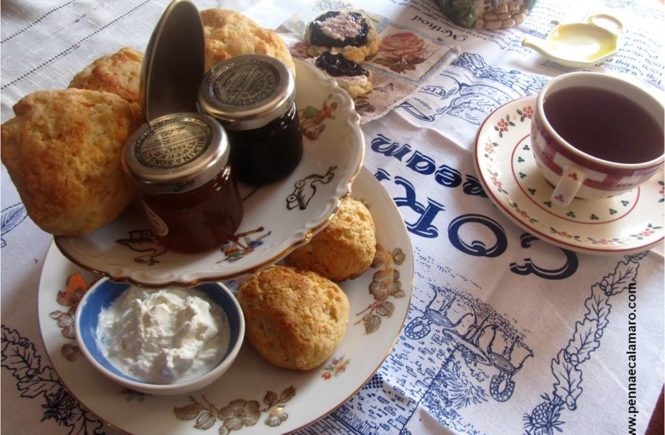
(101, 296)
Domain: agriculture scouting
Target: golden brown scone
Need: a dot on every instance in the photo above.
(355, 53)
(229, 34)
(294, 318)
(118, 73)
(343, 250)
(62, 151)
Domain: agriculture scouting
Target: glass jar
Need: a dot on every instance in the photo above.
(180, 165)
(253, 96)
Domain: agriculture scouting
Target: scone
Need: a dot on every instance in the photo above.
(294, 318)
(229, 34)
(118, 73)
(349, 33)
(350, 76)
(62, 151)
(343, 250)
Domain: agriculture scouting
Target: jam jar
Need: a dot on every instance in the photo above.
(253, 96)
(180, 165)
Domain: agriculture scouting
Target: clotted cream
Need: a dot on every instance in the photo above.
(163, 336)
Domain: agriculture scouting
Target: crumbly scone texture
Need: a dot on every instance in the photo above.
(118, 73)
(343, 250)
(229, 34)
(63, 153)
(294, 318)
(351, 52)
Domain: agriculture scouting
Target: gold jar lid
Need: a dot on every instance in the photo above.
(247, 92)
(176, 153)
(174, 61)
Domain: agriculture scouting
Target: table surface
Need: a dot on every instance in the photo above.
(560, 320)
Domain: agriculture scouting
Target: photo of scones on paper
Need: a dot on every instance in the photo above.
(349, 33)
(352, 77)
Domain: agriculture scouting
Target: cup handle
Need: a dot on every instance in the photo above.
(568, 185)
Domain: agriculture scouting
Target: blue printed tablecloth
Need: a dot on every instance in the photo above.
(557, 324)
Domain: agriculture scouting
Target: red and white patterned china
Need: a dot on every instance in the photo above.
(577, 172)
(622, 224)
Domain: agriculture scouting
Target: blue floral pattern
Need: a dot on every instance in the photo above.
(545, 418)
(12, 216)
(35, 380)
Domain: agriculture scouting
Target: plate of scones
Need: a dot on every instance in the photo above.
(73, 176)
(318, 325)
(150, 188)
(339, 42)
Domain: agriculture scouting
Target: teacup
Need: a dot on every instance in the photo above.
(595, 135)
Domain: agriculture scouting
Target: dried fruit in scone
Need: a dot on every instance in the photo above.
(344, 249)
(118, 73)
(294, 318)
(62, 151)
(229, 34)
(352, 77)
(349, 33)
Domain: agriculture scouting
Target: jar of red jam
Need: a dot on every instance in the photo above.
(253, 96)
(180, 165)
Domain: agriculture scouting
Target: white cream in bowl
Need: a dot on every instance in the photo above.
(163, 336)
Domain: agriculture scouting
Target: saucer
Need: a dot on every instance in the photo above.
(631, 222)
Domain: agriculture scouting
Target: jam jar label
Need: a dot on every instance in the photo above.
(248, 83)
(173, 142)
(158, 225)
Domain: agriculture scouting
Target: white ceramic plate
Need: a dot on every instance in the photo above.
(275, 400)
(277, 217)
(631, 222)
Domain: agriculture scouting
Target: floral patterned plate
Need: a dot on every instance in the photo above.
(627, 223)
(253, 397)
(277, 217)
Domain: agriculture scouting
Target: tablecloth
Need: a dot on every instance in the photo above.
(560, 321)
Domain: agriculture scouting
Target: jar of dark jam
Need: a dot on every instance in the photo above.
(180, 165)
(253, 96)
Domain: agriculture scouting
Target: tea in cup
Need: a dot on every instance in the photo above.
(595, 135)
